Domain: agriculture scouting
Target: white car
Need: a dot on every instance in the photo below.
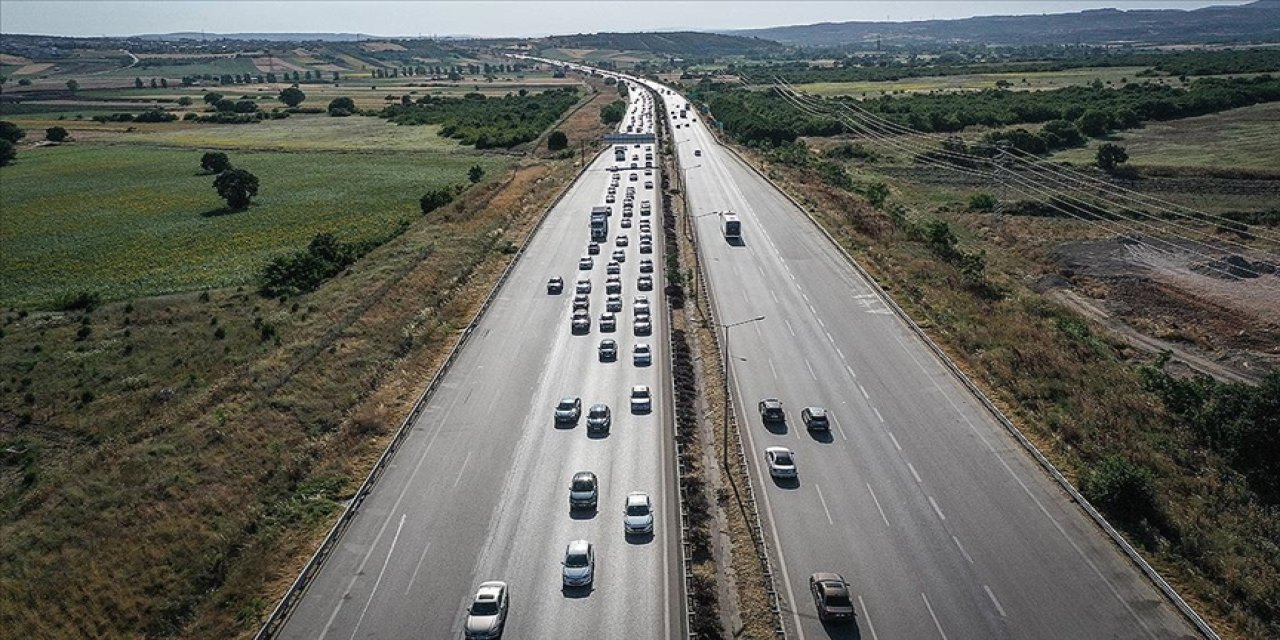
(586, 263)
(579, 564)
(637, 516)
(641, 356)
(584, 286)
(487, 614)
(643, 327)
(621, 241)
(608, 322)
(613, 303)
(646, 266)
(645, 283)
(782, 463)
(641, 402)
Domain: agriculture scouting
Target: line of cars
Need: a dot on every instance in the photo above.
(487, 614)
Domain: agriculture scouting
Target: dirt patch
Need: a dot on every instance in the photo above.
(273, 65)
(33, 69)
(382, 46)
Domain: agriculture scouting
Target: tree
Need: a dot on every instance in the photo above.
(154, 84)
(164, 83)
(184, 101)
(137, 83)
(1111, 156)
(225, 105)
(982, 202)
(236, 186)
(1094, 123)
(436, 198)
(339, 107)
(11, 132)
(475, 173)
(211, 98)
(55, 134)
(215, 162)
(245, 105)
(292, 96)
(613, 112)
(73, 86)
(7, 152)
(557, 141)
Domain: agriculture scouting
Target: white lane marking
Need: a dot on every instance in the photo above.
(788, 322)
(935, 507)
(416, 568)
(775, 297)
(840, 353)
(461, 470)
(994, 601)
(878, 414)
(867, 616)
(961, 548)
(771, 369)
(806, 299)
(850, 370)
(914, 474)
(810, 367)
(933, 615)
(839, 428)
(824, 503)
(390, 552)
(746, 295)
(829, 338)
(863, 389)
(1115, 592)
(878, 507)
(820, 322)
(895, 441)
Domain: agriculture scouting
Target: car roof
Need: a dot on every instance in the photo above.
(771, 401)
(584, 475)
(640, 387)
(778, 450)
(816, 411)
(600, 406)
(638, 497)
(608, 341)
(577, 546)
(490, 590)
(827, 577)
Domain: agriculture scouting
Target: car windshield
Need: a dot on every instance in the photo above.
(566, 404)
(485, 608)
(583, 484)
(637, 509)
(783, 459)
(575, 560)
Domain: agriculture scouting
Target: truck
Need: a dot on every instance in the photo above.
(600, 223)
(620, 153)
(731, 226)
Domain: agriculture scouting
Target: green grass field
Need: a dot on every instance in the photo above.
(306, 133)
(1035, 81)
(131, 220)
(1248, 138)
(215, 67)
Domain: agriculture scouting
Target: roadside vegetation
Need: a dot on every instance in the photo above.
(487, 122)
(191, 391)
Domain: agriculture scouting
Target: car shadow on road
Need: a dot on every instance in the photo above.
(836, 630)
(822, 436)
(577, 592)
(736, 242)
(791, 484)
(597, 435)
(583, 514)
(639, 538)
(776, 427)
(565, 426)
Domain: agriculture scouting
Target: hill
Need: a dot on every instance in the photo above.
(677, 43)
(261, 37)
(1257, 21)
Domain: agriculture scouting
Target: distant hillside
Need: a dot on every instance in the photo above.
(677, 43)
(1257, 21)
(261, 37)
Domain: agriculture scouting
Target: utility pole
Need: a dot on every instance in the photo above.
(727, 356)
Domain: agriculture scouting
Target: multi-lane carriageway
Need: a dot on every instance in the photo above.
(479, 491)
(941, 522)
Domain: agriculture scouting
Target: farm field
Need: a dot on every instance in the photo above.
(130, 220)
(1247, 138)
(305, 133)
(1034, 81)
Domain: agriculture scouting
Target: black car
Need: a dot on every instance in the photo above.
(815, 419)
(583, 490)
(555, 286)
(831, 597)
(771, 410)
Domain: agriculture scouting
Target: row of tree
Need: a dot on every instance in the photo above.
(249, 78)
(487, 122)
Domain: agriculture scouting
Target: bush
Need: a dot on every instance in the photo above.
(155, 115)
(305, 270)
(342, 107)
(557, 141)
(81, 301)
(215, 162)
(1111, 156)
(436, 198)
(613, 112)
(292, 96)
(1125, 489)
(55, 134)
(982, 202)
(7, 152)
(11, 132)
(475, 173)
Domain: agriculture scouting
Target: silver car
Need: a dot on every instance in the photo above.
(579, 564)
(641, 356)
(782, 463)
(599, 418)
(637, 516)
(487, 615)
(641, 401)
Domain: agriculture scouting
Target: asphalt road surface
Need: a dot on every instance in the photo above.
(479, 490)
(942, 524)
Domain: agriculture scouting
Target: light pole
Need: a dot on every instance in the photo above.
(727, 361)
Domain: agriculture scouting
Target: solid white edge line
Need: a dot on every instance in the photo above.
(878, 507)
(867, 616)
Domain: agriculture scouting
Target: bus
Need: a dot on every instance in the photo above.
(731, 226)
(620, 153)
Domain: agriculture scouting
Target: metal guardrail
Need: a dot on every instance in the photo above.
(285, 607)
(1128, 549)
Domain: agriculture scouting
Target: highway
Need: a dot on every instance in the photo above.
(479, 490)
(942, 523)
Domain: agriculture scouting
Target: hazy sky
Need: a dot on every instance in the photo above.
(529, 18)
